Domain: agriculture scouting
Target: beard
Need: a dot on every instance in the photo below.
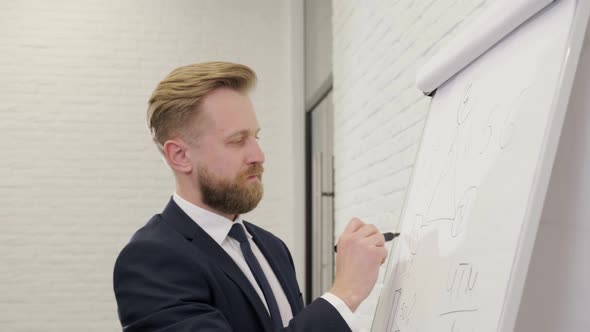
(232, 196)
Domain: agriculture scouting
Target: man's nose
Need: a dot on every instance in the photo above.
(255, 154)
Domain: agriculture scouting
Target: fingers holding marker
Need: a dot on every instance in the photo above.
(376, 239)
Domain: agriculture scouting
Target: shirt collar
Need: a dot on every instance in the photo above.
(213, 224)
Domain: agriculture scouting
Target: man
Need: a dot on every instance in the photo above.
(198, 266)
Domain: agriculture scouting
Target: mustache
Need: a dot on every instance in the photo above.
(255, 169)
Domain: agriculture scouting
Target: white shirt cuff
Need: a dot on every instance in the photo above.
(343, 310)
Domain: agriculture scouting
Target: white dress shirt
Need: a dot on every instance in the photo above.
(218, 228)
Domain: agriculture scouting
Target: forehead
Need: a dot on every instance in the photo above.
(228, 111)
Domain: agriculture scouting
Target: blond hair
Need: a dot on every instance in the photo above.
(175, 101)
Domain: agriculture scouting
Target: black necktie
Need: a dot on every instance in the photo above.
(237, 232)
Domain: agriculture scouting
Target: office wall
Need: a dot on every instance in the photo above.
(79, 174)
(379, 114)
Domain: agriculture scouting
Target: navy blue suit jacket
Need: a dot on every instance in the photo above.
(172, 276)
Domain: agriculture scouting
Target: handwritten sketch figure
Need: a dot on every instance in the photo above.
(508, 127)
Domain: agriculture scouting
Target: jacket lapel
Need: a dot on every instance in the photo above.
(291, 293)
(174, 215)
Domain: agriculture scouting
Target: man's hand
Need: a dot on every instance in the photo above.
(361, 250)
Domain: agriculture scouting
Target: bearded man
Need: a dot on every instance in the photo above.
(198, 266)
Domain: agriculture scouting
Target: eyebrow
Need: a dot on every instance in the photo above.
(244, 132)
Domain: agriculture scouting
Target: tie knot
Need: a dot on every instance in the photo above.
(237, 232)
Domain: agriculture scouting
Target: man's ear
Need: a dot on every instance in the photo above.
(175, 152)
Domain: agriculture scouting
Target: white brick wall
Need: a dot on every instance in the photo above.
(379, 114)
(79, 174)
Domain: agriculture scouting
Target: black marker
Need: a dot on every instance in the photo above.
(388, 237)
